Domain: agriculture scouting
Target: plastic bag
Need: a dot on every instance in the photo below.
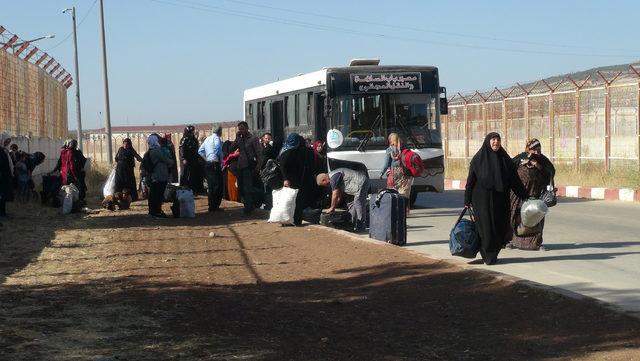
(69, 196)
(532, 212)
(110, 184)
(187, 204)
(284, 205)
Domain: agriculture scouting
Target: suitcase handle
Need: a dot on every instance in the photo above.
(382, 193)
(464, 211)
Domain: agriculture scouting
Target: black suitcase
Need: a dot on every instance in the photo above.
(388, 217)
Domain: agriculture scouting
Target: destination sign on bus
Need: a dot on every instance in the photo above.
(386, 83)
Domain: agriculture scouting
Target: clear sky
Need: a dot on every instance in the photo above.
(188, 61)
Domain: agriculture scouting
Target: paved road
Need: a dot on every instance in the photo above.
(593, 247)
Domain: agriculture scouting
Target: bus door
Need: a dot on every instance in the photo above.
(321, 123)
(277, 121)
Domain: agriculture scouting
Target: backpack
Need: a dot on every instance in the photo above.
(412, 163)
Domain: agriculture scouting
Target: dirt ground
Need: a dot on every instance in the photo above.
(123, 286)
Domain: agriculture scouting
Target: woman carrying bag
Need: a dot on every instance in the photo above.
(491, 179)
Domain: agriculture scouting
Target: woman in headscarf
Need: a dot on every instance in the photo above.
(169, 151)
(397, 178)
(319, 157)
(492, 177)
(6, 175)
(296, 165)
(189, 168)
(230, 189)
(156, 166)
(71, 166)
(125, 165)
(536, 172)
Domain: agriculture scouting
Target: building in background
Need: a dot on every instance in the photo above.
(95, 146)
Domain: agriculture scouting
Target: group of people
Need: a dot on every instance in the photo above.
(16, 169)
(497, 186)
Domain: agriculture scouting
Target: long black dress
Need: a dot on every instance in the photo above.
(191, 174)
(297, 167)
(491, 178)
(125, 177)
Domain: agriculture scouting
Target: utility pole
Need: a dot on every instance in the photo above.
(107, 112)
(75, 47)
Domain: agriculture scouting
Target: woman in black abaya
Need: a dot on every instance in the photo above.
(492, 176)
(125, 164)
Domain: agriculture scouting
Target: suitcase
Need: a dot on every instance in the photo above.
(463, 240)
(388, 217)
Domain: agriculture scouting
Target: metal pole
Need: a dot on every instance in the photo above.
(107, 112)
(75, 48)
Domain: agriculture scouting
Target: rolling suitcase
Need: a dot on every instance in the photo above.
(388, 218)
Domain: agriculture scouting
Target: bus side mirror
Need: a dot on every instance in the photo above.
(444, 106)
(444, 102)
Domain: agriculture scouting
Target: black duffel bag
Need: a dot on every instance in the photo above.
(271, 175)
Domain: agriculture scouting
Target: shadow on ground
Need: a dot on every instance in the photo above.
(395, 310)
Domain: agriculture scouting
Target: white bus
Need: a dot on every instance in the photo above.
(358, 106)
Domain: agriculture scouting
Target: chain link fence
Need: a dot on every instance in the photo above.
(594, 123)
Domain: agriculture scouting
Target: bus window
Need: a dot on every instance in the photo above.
(288, 106)
(302, 109)
(261, 115)
(296, 110)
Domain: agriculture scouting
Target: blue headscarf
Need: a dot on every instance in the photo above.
(153, 141)
(293, 142)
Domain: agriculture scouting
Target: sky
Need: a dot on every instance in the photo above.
(189, 61)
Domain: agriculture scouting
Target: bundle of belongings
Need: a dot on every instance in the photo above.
(121, 200)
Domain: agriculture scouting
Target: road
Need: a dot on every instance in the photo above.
(593, 247)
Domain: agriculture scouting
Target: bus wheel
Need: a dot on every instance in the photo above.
(414, 197)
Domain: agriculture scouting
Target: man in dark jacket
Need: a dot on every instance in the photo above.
(248, 165)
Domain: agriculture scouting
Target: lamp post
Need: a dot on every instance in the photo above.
(16, 45)
(75, 50)
(107, 111)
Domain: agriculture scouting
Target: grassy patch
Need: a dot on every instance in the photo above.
(590, 174)
(96, 177)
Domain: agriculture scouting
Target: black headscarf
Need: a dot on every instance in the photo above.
(491, 167)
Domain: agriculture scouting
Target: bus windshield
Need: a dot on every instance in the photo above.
(367, 120)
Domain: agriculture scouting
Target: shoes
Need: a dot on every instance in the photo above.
(158, 216)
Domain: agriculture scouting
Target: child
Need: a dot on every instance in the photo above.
(23, 177)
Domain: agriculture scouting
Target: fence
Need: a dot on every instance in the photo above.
(95, 145)
(33, 98)
(592, 123)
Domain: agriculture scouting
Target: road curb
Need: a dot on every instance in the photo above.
(609, 194)
(508, 279)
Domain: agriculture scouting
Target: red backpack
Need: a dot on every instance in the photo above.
(412, 163)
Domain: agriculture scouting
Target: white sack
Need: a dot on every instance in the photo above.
(110, 184)
(284, 205)
(187, 204)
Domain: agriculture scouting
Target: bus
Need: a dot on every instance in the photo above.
(354, 109)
